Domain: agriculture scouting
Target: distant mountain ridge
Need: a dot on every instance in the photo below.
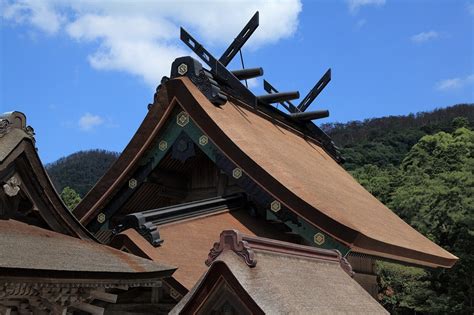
(378, 141)
(385, 141)
(80, 170)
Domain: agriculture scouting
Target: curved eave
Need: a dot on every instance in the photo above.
(24, 160)
(427, 253)
(358, 237)
(107, 186)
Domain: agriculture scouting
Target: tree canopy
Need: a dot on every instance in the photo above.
(70, 197)
(433, 190)
(80, 170)
(385, 141)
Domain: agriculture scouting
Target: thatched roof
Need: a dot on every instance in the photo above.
(275, 277)
(187, 242)
(27, 248)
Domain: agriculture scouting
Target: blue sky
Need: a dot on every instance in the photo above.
(83, 72)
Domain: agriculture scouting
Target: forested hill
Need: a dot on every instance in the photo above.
(80, 170)
(377, 141)
(384, 141)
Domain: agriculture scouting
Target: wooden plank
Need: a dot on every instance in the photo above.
(92, 309)
(104, 296)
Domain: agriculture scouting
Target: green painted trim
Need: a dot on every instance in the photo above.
(172, 130)
(178, 123)
(164, 142)
(169, 135)
(193, 131)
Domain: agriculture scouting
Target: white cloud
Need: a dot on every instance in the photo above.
(253, 83)
(455, 83)
(424, 37)
(139, 49)
(470, 8)
(142, 37)
(88, 121)
(355, 5)
(361, 23)
(38, 13)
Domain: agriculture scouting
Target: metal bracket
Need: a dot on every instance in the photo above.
(187, 66)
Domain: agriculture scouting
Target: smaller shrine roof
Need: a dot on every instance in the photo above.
(20, 163)
(279, 278)
(30, 249)
(188, 240)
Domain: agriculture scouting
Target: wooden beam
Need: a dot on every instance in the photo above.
(104, 296)
(58, 309)
(92, 309)
(5, 310)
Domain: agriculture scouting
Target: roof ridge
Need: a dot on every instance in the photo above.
(244, 246)
(147, 222)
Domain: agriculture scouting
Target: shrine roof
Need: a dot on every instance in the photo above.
(288, 165)
(279, 277)
(298, 172)
(186, 243)
(22, 172)
(25, 249)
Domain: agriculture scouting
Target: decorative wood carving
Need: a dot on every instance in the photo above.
(4, 126)
(183, 148)
(12, 186)
(232, 240)
(15, 120)
(346, 266)
(245, 246)
(57, 298)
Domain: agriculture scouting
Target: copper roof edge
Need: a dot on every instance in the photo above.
(93, 200)
(244, 246)
(86, 214)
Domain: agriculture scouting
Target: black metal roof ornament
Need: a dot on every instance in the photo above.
(218, 70)
(230, 81)
(320, 85)
(298, 112)
(288, 105)
(240, 40)
(218, 83)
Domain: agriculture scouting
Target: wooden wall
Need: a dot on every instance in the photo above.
(364, 268)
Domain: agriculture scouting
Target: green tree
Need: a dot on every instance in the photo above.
(386, 141)
(433, 190)
(460, 122)
(380, 182)
(403, 289)
(80, 170)
(70, 198)
(436, 197)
